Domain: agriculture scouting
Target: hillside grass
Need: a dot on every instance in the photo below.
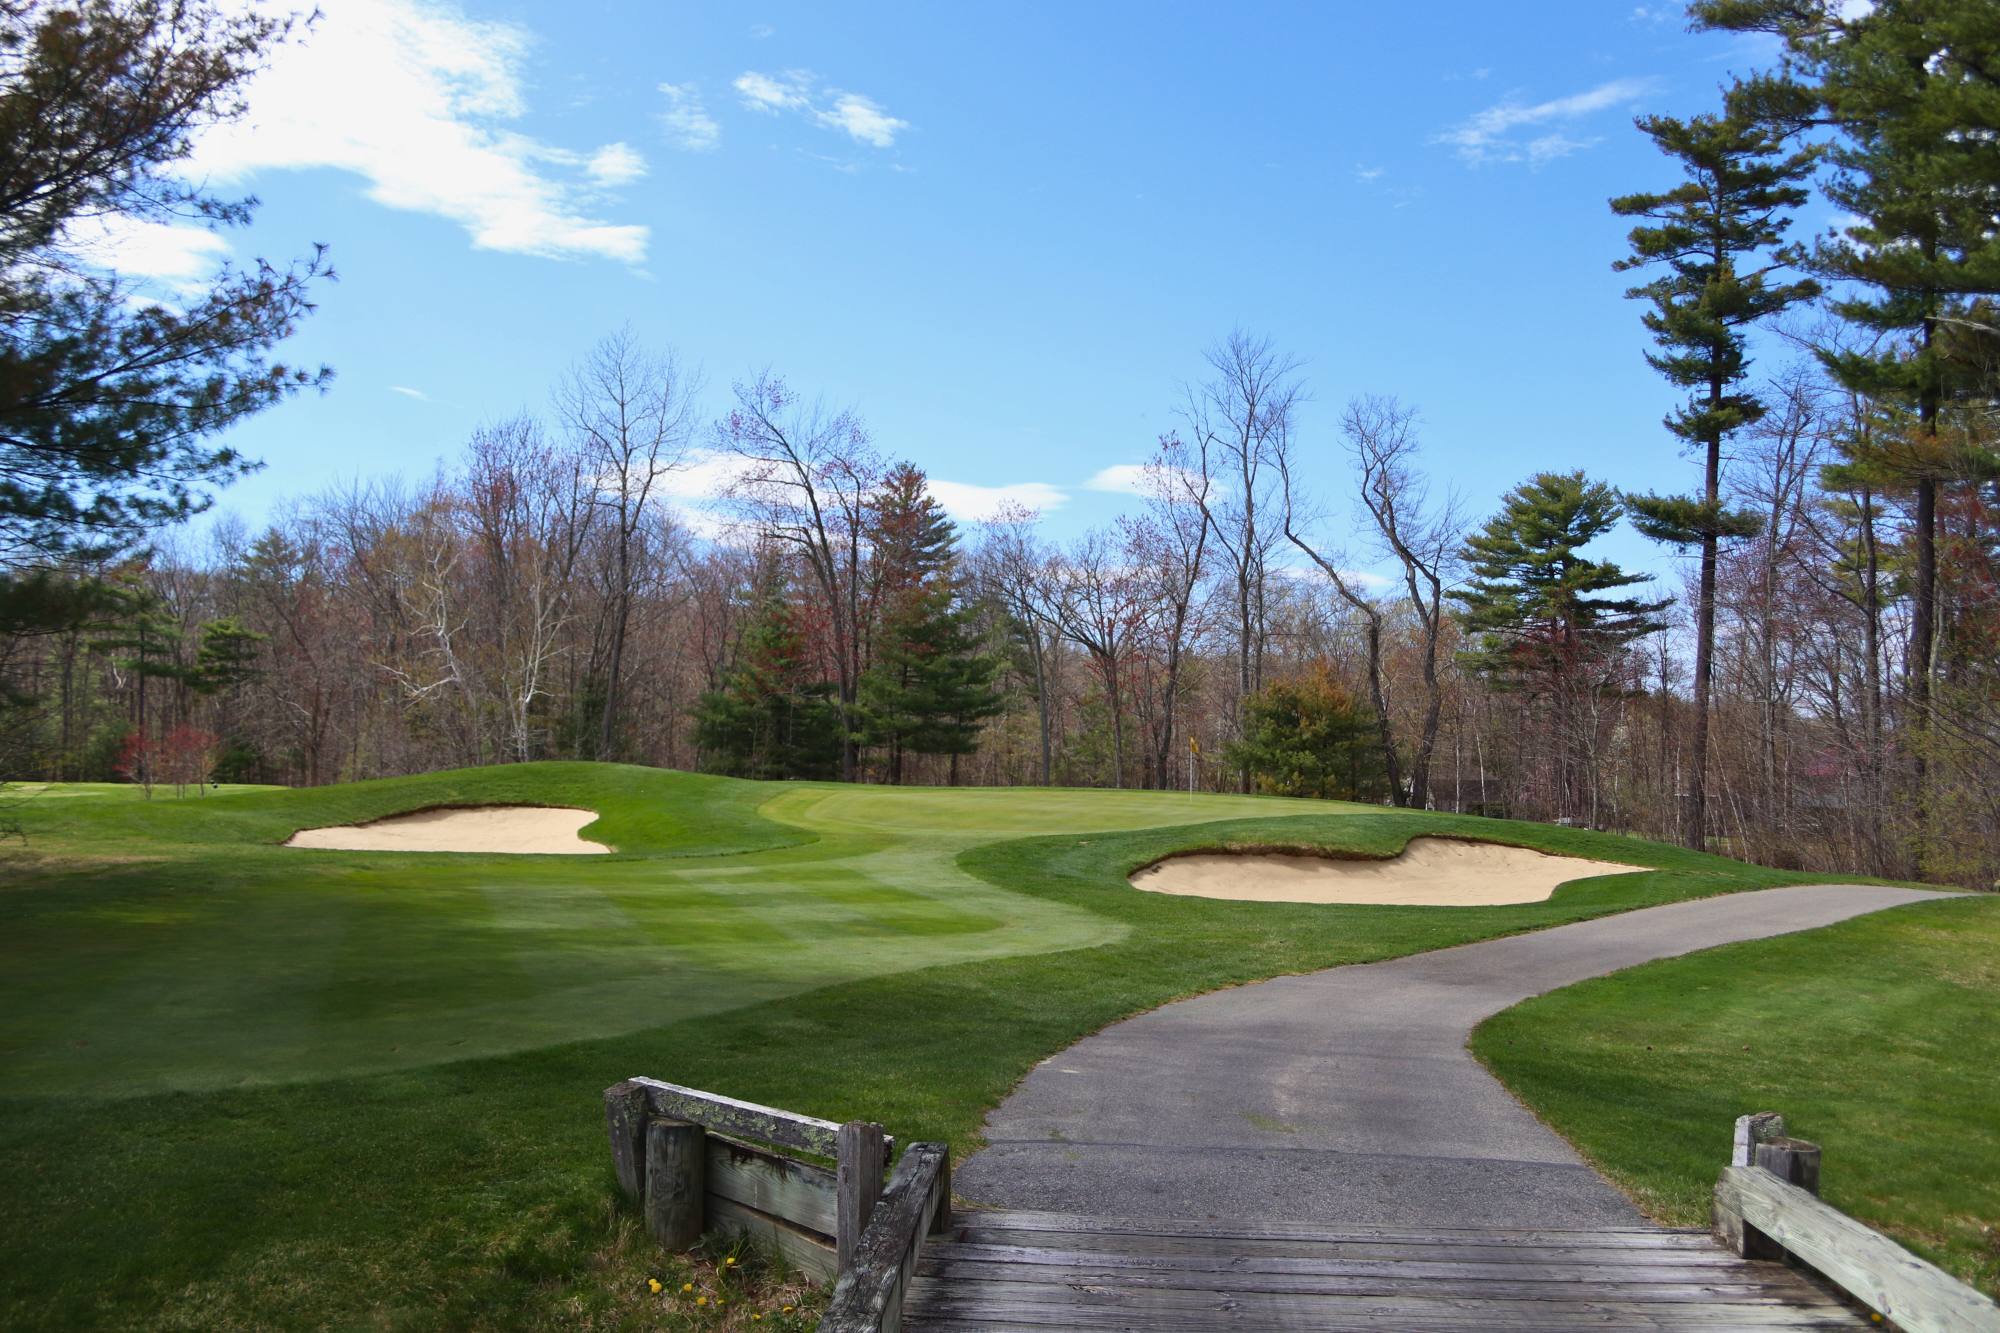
(1878, 1039)
(245, 1086)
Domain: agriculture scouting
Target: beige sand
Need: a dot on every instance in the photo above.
(1431, 872)
(479, 828)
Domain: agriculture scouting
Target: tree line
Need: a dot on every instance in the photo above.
(1822, 693)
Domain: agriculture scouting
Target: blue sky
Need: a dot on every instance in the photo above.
(1003, 233)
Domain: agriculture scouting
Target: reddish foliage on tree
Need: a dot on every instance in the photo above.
(185, 756)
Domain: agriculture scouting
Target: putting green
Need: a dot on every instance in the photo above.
(221, 959)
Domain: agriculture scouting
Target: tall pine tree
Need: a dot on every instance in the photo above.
(929, 683)
(1910, 93)
(932, 682)
(1545, 619)
(1713, 236)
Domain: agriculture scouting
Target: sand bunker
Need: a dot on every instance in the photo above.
(1431, 872)
(480, 828)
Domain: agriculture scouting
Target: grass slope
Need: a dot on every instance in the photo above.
(243, 1086)
(1877, 1038)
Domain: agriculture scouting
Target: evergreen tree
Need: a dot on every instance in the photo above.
(1309, 737)
(1545, 618)
(931, 685)
(1712, 235)
(141, 638)
(1911, 91)
(911, 542)
(226, 656)
(107, 402)
(772, 718)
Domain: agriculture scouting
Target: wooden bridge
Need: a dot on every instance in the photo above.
(1013, 1272)
(903, 1258)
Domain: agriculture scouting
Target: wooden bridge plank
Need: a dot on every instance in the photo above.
(977, 1305)
(1641, 1237)
(962, 1273)
(1440, 1252)
(1306, 1265)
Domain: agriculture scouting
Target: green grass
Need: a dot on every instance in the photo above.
(1879, 1039)
(245, 1086)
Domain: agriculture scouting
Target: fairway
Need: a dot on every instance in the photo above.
(288, 964)
(368, 1079)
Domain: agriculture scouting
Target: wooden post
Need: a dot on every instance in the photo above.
(625, 1121)
(1752, 1130)
(1738, 1237)
(941, 1219)
(861, 1159)
(1793, 1161)
(676, 1164)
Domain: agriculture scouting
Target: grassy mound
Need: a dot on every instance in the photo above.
(1876, 1038)
(246, 1086)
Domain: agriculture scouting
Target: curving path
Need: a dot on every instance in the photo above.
(1346, 1096)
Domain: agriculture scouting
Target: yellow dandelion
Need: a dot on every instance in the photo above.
(687, 1286)
(701, 1300)
(653, 1284)
(786, 1310)
(730, 1262)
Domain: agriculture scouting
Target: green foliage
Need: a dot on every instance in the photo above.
(930, 684)
(773, 716)
(1686, 520)
(107, 402)
(1309, 736)
(1911, 91)
(1710, 234)
(226, 656)
(1535, 604)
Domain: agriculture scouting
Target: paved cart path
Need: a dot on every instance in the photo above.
(1346, 1097)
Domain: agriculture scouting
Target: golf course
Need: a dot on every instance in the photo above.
(256, 1086)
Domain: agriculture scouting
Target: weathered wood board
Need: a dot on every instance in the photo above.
(1043, 1271)
(1918, 1296)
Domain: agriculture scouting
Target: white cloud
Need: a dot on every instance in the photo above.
(861, 119)
(762, 30)
(175, 256)
(416, 98)
(1119, 478)
(762, 92)
(686, 118)
(408, 392)
(1367, 175)
(1135, 478)
(615, 164)
(1490, 135)
(1549, 147)
(969, 503)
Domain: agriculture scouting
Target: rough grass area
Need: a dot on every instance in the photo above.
(1879, 1039)
(251, 1087)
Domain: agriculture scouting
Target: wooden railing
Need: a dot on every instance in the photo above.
(1767, 1207)
(697, 1161)
(916, 1206)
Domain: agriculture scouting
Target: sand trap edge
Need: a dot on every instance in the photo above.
(566, 841)
(1583, 867)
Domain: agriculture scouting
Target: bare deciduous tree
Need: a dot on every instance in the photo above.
(632, 415)
(806, 479)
